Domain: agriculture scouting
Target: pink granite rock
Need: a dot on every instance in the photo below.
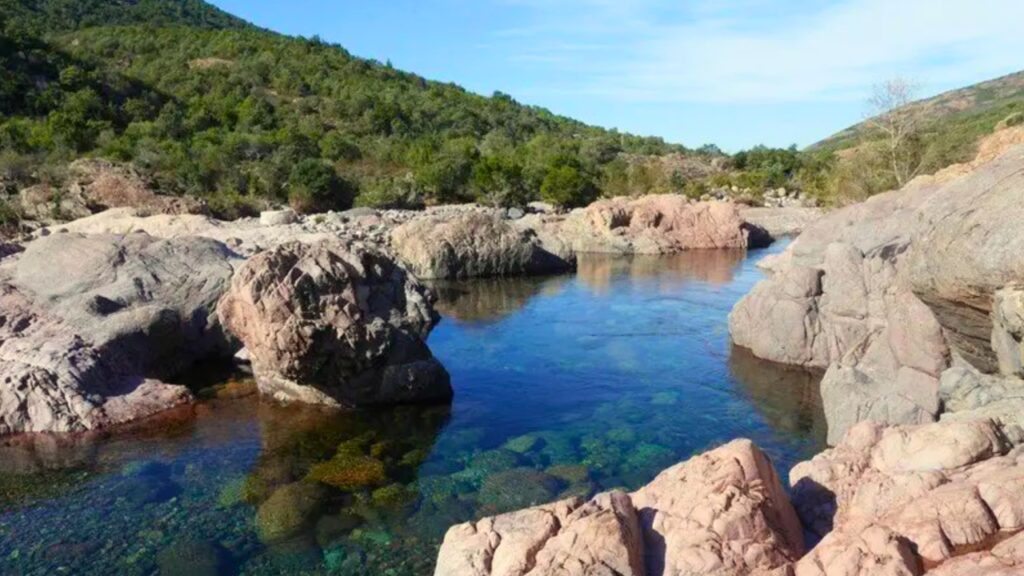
(720, 513)
(334, 323)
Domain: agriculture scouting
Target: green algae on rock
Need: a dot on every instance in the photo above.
(518, 488)
(288, 510)
(349, 472)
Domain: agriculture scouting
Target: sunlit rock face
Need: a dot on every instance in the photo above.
(658, 224)
(335, 323)
(912, 497)
(90, 325)
(469, 245)
(723, 512)
(889, 293)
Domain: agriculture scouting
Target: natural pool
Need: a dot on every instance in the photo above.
(564, 385)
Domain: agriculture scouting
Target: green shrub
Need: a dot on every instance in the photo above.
(315, 187)
(10, 219)
(565, 186)
(400, 193)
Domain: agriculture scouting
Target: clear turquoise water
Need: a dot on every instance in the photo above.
(565, 385)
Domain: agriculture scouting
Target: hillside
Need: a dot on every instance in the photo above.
(46, 16)
(206, 105)
(951, 123)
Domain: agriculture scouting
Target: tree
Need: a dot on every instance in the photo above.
(314, 187)
(565, 186)
(891, 115)
(498, 181)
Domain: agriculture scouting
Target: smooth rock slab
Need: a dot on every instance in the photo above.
(90, 325)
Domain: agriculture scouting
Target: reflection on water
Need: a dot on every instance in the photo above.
(599, 271)
(487, 300)
(787, 396)
(564, 386)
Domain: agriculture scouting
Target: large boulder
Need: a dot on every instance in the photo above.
(934, 490)
(659, 224)
(720, 513)
(335, 323)
(469, 244)
(91, 324)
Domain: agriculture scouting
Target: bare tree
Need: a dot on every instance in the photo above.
(891, 115)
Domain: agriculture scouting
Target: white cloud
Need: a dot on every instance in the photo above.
(761, 51)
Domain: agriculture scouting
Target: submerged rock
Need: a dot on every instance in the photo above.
(334, 323)
(723, 512)
(289, 510)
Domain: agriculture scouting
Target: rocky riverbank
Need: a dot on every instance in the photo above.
(102, 314)
(941, 499)
(912, 302)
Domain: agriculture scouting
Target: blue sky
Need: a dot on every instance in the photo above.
(734, 73)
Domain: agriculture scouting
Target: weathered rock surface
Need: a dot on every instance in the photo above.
(880, 293)
(934, 491)
(723, 512)
(90, 324)
(660, 224)
(570, 537)
(334, 322)
(779, 222)
(1008, 329)
(469, 245)
(1004, 559)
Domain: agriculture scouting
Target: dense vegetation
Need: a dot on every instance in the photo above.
(208, 105)
(211, 107)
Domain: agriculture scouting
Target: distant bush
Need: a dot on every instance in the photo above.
(314, 187)
(10, 219)
(401, 193)
(565, 186)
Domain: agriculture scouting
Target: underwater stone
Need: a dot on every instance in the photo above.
(518, 488)
(288, 510)
(349, 472)
(522, 444)
(190, 558)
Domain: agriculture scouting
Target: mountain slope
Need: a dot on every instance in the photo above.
(952, 122)
(46, 16)
(209, 106)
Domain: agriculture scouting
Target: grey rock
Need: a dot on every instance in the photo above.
(91, 324)
(278, 217)
(469, 245)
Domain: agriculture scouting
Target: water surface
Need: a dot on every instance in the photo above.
(565, 385)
